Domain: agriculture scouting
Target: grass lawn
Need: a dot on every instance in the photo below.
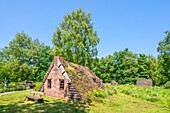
(119, 103)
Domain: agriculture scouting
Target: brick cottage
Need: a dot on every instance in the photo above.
(66, 80)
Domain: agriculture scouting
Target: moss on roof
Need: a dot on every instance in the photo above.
(82, 77)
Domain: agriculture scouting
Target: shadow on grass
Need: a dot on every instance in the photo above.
(54, 106)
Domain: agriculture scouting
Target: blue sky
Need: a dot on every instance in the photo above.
(135, 24)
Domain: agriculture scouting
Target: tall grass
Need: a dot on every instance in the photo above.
(153, 94)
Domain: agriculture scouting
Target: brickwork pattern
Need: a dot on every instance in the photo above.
(55, 76)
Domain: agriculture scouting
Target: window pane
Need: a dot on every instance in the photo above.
(49, 83)
(61, 84)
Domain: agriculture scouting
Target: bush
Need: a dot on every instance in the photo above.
(38, 85)
(14, 88)
(4, 89)
(167, 85)
(12, 84)
(1, 85)
(152, 99)
(109, 92)
(100, 93)
(97, 96)
(1, 90)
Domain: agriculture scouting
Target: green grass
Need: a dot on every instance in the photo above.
(121, 103)
(118, 103)
(152, 94)
(16, 103)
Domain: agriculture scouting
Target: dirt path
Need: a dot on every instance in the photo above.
(6, 93)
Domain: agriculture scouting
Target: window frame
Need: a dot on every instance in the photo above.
(49, 85)
(61, 84)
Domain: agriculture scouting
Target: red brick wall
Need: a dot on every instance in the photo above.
(55, 90)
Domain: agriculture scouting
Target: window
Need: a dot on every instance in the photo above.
(61, 84)
(49, 83)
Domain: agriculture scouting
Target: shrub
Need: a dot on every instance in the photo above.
(12, 84)
(115, 91)
(13, 89)
(4, 89)
(109, 92)
(100, 93)
(20, 87)
(167, 85)
(153, 94)
(24, 87)
(1, 85)
(127, 92)
(92, 97)
(134, 95)
(152, 99)
(38, 85)
(1, 90)
(16, 88)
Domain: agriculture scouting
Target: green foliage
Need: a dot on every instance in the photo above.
(18, 99)
(75, 39)
(131, 67)
(122, 67)
(38, 85)
(153, 94)
(16, 88)
(153, 70)
(109, 92)
(104, 68)
(167, 85)
(100, 93)
(1, 85)
(24, 58)
(164, 59)
(89, 97)
(126, 67)
(121, 104)
(143, 66)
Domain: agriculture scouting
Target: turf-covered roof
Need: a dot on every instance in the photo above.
(82, 77)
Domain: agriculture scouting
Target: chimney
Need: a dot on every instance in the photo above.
(56, 60)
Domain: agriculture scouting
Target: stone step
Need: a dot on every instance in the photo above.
(72, 88)
(73, 93)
